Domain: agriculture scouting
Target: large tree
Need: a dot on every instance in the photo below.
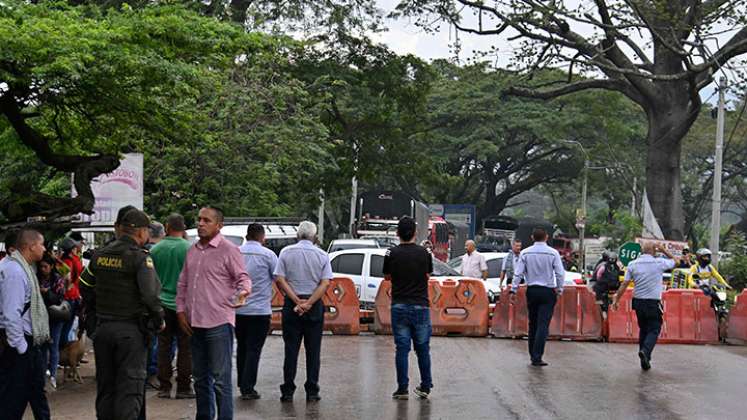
(493, 148)
(658, 53)
(79, 85)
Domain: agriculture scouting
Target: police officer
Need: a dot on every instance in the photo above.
(123, 280)
(647, 273)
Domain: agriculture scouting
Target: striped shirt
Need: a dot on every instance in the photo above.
(539, 265)
(304, 266)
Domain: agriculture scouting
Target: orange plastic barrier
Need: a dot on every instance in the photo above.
(459, 307)
(341, 308)
(576, 316)
(383, 309)
(688, 319)
(511, 321)
(737, 327)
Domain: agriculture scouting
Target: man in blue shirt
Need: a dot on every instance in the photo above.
(541, 267)
(24, 330)
(647, 273)
(303, 274)
(253, 319)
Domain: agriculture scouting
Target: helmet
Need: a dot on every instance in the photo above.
(703, 252)
(612, 256)
(67, 244)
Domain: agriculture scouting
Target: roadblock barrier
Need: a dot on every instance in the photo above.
(383, 309)
(457, 307)
(737, 326)
(688, 319)
(576, 316)
(341, 308)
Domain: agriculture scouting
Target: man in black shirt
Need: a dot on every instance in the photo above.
(408, 267)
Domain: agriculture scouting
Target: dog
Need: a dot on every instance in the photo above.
(70, 357)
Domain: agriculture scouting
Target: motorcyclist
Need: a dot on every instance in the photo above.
(607, 278)
(703, 275)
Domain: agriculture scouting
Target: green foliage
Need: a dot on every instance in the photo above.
(619, 226)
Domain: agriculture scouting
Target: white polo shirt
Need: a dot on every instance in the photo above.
(473, 265)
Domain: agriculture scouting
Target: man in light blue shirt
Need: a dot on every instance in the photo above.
(303, 274)
(542, 269)
(253, 319)
(647, 272)
(24, 330)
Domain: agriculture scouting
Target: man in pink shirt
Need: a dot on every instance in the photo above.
(212, 284)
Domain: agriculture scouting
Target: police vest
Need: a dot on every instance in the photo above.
(115, 268)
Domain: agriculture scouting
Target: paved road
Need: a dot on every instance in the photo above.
(483, 379)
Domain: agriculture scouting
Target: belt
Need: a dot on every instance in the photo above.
(129, 321)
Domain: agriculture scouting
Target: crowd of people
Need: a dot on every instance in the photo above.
(150, 296)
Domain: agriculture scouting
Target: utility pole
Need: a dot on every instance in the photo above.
(353, 199)
(632, 201)
(582, 223)
(716, 211)
(320, 229)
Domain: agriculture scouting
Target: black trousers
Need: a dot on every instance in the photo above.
(121, 352)
(251, 332)
(22, 383)
(649, 313)
(540, 303)
(295, 329)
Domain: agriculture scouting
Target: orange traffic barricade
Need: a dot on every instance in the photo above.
(341, 308)
(688, 319)
(459, 307)
(737, 327)
(383, 309)
(576, 315)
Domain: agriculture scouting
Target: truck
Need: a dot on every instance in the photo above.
(379, 212)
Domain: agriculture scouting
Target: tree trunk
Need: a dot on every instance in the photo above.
(667, 126)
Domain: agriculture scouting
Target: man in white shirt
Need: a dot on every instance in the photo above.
(473, 263)
(510, 262)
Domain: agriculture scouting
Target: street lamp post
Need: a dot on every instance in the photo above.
(581, 217)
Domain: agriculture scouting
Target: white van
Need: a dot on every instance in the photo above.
(277, 236)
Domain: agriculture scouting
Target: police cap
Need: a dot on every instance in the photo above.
(135, 219)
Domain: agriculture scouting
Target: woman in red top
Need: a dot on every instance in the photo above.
(70, 257)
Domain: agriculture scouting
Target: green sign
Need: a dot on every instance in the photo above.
(628, 252)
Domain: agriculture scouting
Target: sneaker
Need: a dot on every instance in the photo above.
(645, 361)
(164, 394)
(152, 382)
(251, 395)
(313, 397)
(53, 382)
(185, 395)
(401, 394)
(422, 392)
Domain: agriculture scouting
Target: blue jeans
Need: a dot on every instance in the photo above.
(55, 331)
(152, 366)
(212, 349)
(412, 322)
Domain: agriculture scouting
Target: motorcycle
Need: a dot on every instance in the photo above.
(718, 295)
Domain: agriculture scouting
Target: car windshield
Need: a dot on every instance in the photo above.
(455, 263)
(440, 268)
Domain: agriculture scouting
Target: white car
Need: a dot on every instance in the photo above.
(343, 244)
(495, 262)
(277, 237)
(365, 267)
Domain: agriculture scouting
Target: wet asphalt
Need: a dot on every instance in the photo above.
(479, 378)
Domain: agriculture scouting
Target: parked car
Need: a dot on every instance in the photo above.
(495, 262)
(365, 267)
(343, 244)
